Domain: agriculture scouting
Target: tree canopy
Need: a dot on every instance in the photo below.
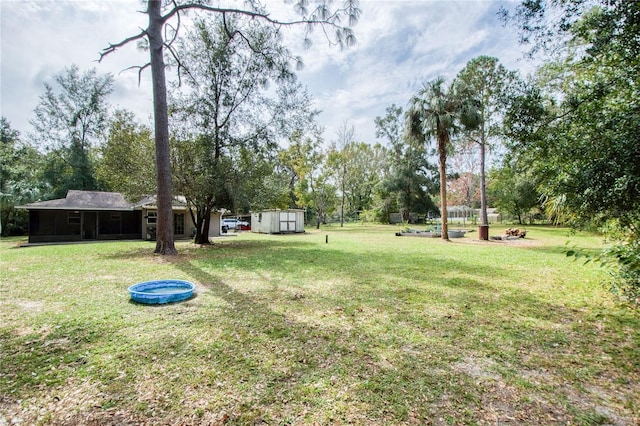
(238, 98)
(20, 164)
(160, 36)
(408, 180)
(490, 82)
(576, 128)
(127, 157)
(70, 119)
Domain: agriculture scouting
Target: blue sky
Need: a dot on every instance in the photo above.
(400, 45)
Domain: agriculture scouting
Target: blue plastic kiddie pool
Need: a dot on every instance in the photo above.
(161, 291)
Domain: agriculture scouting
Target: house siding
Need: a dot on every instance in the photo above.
(188, 230)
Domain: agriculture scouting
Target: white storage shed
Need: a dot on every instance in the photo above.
(278, 221)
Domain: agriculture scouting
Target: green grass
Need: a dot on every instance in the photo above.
(368, 328)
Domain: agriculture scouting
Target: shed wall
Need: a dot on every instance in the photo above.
(278, 221)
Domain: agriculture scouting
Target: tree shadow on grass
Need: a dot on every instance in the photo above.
(394, 362)
(46, 356)
(381, 342)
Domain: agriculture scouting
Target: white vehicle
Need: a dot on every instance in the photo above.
(229, 223)
(234, 224)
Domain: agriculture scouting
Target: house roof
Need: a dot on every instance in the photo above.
(84, 200)
(97, 200)
(151, 202)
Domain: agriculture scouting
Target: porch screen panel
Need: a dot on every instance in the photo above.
(132, 222)
(64, 226)
(109, 223)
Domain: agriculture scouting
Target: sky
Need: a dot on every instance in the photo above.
(400, 45)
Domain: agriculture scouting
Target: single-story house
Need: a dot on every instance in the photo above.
(94, 215)
(278, 221)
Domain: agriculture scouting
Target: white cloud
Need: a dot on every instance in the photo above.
(400, 44)
(40, 39)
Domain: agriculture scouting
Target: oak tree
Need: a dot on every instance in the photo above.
(19, 181)
(409, 179)
(239, 98)
(164, 20)
(127, 157)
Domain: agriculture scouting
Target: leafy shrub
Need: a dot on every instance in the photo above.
(621, 258)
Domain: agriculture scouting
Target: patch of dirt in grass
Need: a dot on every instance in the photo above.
(82, 404)
(589, 401)
(478, 368)
(30, 305)
(22, 331)
(500, 403)
(12, 269)
(503, 403)
(600, 402)
(104, 277)
(74, 403)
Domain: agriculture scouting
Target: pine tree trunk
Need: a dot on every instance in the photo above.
(164, 243)
(484, 219)
(443, 141)
(344, 172)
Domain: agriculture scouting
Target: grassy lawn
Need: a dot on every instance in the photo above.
(368, 328)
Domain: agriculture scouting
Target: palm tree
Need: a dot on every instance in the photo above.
(440, 111)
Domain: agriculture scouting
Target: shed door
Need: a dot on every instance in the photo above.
(287, 222)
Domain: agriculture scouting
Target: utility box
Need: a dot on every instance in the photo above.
(278, 221)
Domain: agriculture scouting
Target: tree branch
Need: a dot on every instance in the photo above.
(175, 30)
(113, 47)
(569, 111)
(188, 6)
(323, 20)
(140, 68)
(178, 63)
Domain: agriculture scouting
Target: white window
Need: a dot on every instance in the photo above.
(178, 224)
(152, 218)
